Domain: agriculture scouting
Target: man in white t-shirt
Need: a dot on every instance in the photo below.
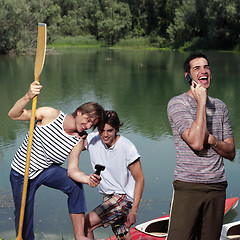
(122, 180)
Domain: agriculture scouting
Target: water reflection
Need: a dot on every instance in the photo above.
(138, 85)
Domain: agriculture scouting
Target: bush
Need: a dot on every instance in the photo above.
(131, 42)
(76, 41)
(237, 48)
(196, 44)
(159, 42)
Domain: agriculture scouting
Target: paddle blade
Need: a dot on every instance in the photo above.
(41, 50)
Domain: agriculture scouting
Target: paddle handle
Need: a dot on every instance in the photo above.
(25, 183)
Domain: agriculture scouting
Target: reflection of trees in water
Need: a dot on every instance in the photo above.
(138, 84)
(16, 75)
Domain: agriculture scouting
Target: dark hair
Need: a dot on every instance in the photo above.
(186, 65)
(94, 110)
(112, 119)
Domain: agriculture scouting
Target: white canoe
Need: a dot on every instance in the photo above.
(231, 231)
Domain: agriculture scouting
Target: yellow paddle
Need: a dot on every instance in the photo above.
(39, 61)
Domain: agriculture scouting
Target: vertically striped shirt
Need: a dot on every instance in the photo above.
(205, 166)
(50, 145)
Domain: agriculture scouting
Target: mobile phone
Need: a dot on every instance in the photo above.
(83, 133)
(189, 79)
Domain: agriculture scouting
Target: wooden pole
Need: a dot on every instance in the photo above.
(39, 62)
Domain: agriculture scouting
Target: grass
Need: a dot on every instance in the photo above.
(78, 41)
(139, 43)
(90, 41)
(133, 42)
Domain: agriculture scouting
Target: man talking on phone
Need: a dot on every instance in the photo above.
(203, 137)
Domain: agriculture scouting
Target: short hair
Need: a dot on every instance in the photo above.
(111, 118)
(186, 65)
(93, 109)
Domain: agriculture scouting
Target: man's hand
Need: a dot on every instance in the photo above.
(82, 135)
(34, 90)
(199, 93)
(131, 219)
(94, 180)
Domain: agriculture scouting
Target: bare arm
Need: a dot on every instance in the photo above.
(18, 111)
(224, 148)
(43, 115)
(196, 135)
(73, 169)
(137, 174)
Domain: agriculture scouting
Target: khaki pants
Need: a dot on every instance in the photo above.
(197, 211)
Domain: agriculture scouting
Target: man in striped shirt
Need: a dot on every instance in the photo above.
(203, 137)
(56, 136)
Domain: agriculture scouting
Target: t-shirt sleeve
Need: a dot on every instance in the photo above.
(90, 139)
(179, 115)
(133, 155)
(227, 130)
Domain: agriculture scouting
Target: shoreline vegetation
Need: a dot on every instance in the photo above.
(89, 42)
(140, 43)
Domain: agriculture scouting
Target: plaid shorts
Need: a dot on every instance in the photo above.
(113, 211)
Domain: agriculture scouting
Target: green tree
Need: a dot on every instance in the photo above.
(13, 29)
(223, 26)
(91, 8)
(51, 16)
(151, 16)
(157, 16)
(78, 17)
(115, 21)
(139, 17)
(18, 24)
(184, 26)
(205, 24)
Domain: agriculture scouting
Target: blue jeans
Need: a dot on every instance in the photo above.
(54, 177)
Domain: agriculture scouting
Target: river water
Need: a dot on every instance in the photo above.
(138, 85)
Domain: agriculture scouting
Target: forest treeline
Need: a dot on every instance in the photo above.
(175, 24)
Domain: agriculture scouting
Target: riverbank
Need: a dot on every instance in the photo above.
(90, 42)
(142, 43)
(139, 43)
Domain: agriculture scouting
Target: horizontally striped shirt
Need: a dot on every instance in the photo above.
(205, 166)
(50, 145)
